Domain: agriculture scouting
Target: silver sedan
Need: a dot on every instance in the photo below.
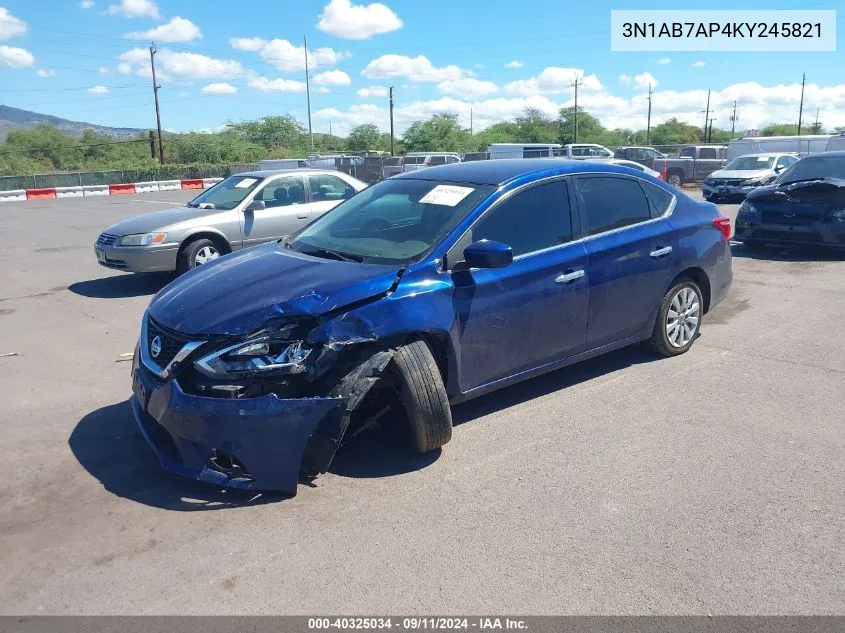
(239, 212)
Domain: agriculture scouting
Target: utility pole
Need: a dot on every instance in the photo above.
(308, 92)
(392, 153)
(710, 130)
(648, 126)
(155, 95)
(817, 128)
(576, 83)
(470, 121)
(330, 129)
(801, 106)
(733, 120)
(706, 115)
(152, 145)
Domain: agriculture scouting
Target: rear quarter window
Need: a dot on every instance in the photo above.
(659, 200)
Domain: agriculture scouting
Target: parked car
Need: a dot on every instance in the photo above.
(584, 150)
(240, 211)
(391, 166)
(283, 163)
(694, 163)
(630, 164)
(742, 175)
(251, 370)
(420, 160)
(498, 151)
(643, 155)
(805, 205)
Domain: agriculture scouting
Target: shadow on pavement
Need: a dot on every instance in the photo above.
(122, 286)
(110, 447)
(780, 253)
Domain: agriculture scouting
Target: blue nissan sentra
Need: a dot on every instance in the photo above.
(422, 291)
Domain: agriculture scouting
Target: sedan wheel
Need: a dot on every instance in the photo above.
(683, 317)
(205, 255)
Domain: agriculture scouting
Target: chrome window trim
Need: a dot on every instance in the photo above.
(584, 238)
(149, 363)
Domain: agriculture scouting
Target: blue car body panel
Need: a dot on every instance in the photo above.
(489, 327)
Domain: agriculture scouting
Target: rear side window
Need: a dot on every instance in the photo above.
(659, 199)
(437, 160)
(707, 152)
(611, 202)
(413, 160)
(529, 221)
(687, 151)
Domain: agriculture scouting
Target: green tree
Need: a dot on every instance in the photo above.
(674, 132)
(502, 132)
(534, 126)
(590, 130)
(283, 133)
(780, 129)
(441, 132)
(364, 137)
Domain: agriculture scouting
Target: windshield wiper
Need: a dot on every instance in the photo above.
(344, 257)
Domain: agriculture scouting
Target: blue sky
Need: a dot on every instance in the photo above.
(224, 60)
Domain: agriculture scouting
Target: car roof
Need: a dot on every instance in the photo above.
(767, 154)
(837, 154)
(500, 172)
(264, 173)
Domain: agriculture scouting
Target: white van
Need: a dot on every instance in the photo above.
(801, 145)
(523, 150)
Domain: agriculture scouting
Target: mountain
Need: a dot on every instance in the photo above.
(17, 119)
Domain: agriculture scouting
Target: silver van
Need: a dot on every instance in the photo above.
(420, 160)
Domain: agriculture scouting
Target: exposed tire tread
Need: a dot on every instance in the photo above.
(424, 396)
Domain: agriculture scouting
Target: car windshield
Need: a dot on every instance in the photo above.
(393, 222)
(751, 163)
(814, 168)
(226, 194)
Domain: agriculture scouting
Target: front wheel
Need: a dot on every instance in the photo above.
(197, 253)
(678, 320)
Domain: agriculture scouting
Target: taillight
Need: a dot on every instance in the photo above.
(724, 225)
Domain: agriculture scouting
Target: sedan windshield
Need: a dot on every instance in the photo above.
(394, 221)
(814, 167)
(751, 163)
(226, 194)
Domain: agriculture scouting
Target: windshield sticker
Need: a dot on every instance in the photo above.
(246, 182)
(447, 195)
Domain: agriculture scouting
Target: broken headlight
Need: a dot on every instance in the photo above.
(255, 356)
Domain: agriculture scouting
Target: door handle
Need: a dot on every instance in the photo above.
(565, 278)
(301, 217)
(660, 252)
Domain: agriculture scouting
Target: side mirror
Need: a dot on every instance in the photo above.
(255, 205)
(778, 168)
(488, 254)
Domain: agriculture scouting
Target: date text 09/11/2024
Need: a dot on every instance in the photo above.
(418, 623)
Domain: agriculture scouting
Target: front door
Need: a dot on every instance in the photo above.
(286, 211)
(533, 311)
(327, 191)
(630, 245)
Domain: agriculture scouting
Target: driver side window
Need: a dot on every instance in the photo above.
(282, 192)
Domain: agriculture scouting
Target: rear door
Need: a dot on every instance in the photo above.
(533, 311)
(327, 191)
(630, 246)
(286, 211)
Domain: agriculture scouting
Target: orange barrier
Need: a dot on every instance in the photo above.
(664, 175)
(41, 194)
(121, 188)
(192, 183)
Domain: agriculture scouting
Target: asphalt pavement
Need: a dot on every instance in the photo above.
(709, 483)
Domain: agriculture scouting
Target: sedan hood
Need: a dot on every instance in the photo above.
(239, 293)
(744, 174)
(159, 220)
(824, 193)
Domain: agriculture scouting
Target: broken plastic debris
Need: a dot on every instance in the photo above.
(9, 354)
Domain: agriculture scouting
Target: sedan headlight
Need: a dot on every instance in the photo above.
(259, 355)
(142, 239)
(747, 208)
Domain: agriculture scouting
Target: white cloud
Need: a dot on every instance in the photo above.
(514, 64)
(252, 44)
(350, 21)
(10, 26)
(219, 88)
(372, 91)
(86, 4)
(15, 57)
(417, 68)
(467, 87)
(135, 9)
(263, 84)
(177, 64)
(99, 90)
(698, 64)
(664, 60)
(321, 89)
(45, 73)
(333, 78)
(123, 68)
(640, 82)
(177, 30)
(553, 80)
(103, 70)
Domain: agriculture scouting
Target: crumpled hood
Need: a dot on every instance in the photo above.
(823, 194)
(744, 174)
(238, 293)
(158, 220)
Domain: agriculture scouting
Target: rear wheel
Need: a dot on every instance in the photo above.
(678, 320)
(675, 178)
(197, 253)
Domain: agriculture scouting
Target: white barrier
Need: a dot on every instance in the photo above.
(13, 196)
(169, 185)
(143, 187)
(210, 182)
(69, 192)
(95, 190)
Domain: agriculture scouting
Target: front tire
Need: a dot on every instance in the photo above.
(424, 396)
(678, 320)
(195, 254)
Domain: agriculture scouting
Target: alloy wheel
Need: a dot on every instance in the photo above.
(683, 317)
(205, 255)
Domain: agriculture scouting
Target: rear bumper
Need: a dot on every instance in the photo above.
(248, 443)
(827, 234)
(139, 259)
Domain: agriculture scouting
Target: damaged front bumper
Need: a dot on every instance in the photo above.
(245, 443)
